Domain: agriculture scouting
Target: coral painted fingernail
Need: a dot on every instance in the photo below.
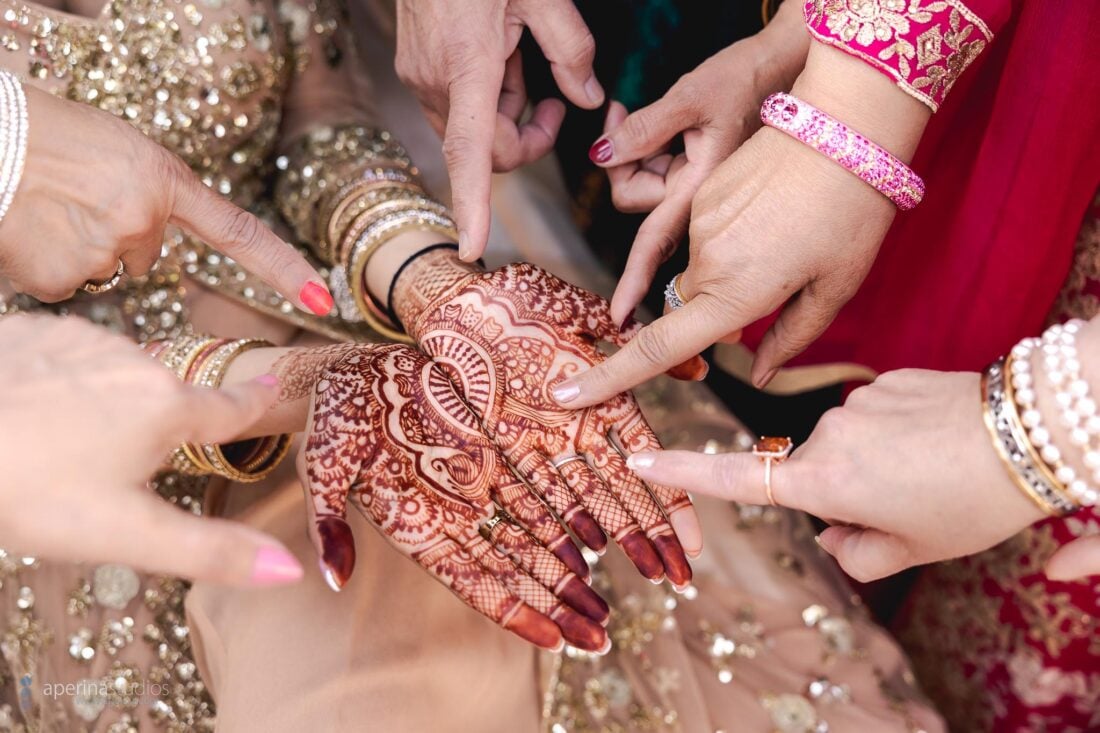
(275, 566)
(640, 460)
(601, 151)
(267, 380)
(337, 551)
(566, 392)
(317, 298)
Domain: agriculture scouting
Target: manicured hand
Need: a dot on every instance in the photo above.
(508, 338)
(461, 59)
(777, 226)
(389, 433)
(905, 472)
(714, 109)
(96, 191)
(90, 418)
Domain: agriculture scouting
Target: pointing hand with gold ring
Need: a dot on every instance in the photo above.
(96, 195)
(904, 472)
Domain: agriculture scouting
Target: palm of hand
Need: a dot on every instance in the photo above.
(506, 338)
(390, 433)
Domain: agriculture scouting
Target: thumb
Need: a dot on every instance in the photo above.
(238, 234)
(159, 538)
(642, 134)
(326, 506)
(568, 45)
(1076, 560)
(865, 554)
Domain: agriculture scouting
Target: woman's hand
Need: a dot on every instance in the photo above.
(389, 432)
(87, 419)
(715, 108)
(96, 191)
(777, 225)
(508, 338)
(463, 63)
(905, 471)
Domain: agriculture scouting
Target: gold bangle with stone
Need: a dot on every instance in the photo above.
(269, 452)
(381, 231)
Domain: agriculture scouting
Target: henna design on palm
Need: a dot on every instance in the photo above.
(389, 432)
(506, 338)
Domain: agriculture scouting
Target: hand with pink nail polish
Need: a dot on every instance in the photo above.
(508, 339)
(462, 61)
(389, 434)
(89, 420)
(96, 192)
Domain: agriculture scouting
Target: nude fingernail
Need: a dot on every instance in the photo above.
(763, 381)
(640, 460)
(464, 249)
(317, 298)
(605, 648)
(566, 392)
(593, 89)
(275, 566)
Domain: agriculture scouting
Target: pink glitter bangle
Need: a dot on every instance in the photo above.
(835, 140)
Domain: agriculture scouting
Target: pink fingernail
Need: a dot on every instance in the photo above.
(640, 460)
(763, 381)
(593, 89)
(275, 566)
(267, 380)
(315, 297)
(464, 249)
(566, 392)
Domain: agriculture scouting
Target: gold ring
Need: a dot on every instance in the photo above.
(771, 450)
(486, 529)
(108, 284)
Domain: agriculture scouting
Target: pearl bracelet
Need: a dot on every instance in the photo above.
(13, 138)
(1079, 409)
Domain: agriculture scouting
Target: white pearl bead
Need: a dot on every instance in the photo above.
(1040, 437)
(1020, 351)
(1072, 327)
(1020, 366)
(1050, 454)
(1072, 365)
(1070, 419)
(1051, 361)
(1078, 388)
(1065, 474)
(1093, 424)
(1021, 381)
(1090, 498)
(1025, 397)
(1064, 399)
(1030, 418)
(1078, 488)
(1079, 437)
(1092, 459)
(1056, 378)
(1086, 406)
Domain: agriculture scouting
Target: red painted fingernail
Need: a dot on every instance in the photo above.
(267, 380)
(275, 566)
(672, 555)
(337, 551)
(316, 297)
(628, 322)
(601, 151)
(568, 553)
(644, 556)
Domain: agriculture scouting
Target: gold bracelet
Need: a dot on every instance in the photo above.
(179, 355)
(370, 177)
(378, 211)
(270, 451)
(356, 200)
(381, 231)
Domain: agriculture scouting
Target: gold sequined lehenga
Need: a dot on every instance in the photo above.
(770, 640)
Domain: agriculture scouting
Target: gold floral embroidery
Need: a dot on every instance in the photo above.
(924, 45)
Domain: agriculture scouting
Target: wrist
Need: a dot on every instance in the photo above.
(781, 47)
(425, 280)
(863, 99)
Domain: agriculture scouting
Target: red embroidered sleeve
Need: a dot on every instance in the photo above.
(923, 45)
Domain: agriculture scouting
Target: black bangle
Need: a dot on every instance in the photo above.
(387, 308)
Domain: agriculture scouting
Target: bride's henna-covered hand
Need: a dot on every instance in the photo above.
(507, 338)
(388, 431)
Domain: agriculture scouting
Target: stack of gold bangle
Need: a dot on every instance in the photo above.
(203, 361)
